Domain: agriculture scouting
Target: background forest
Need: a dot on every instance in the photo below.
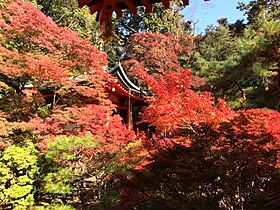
(213, 105)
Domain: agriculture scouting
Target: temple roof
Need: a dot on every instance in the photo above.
(124, 86)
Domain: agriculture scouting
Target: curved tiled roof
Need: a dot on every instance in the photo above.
(124, 85)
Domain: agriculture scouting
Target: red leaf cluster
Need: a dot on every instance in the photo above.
(56, 62)
(253, 132)
(107, 130)
(157, 53)
(175, 105)
(33, 44)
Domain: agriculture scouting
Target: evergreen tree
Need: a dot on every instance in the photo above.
(239, 66)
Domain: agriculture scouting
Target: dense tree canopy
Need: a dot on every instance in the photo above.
(63, 147)
(239, 66)
(157, 53)
(203, 155)
(52, 84)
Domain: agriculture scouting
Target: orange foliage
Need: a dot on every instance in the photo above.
(51, 60)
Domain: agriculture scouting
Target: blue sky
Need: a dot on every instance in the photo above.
(208, 12)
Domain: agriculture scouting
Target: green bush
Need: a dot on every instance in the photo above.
(58, 182)
(18, 171)
(54, 207)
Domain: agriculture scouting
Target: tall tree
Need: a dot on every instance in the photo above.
(255, 7)
(238, 66)
(157, 53)
(55, 113)
(203, 155)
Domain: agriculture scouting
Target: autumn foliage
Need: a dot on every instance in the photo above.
(178, 106)
(157, 53)
(204, 155)
(53, 101)
(61, 147)
(38, 56)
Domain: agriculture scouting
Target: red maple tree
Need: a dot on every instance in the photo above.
(46, 64)
(156, 53)
(176, 106)
(203, 155)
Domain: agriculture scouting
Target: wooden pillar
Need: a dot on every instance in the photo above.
(129, 112)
